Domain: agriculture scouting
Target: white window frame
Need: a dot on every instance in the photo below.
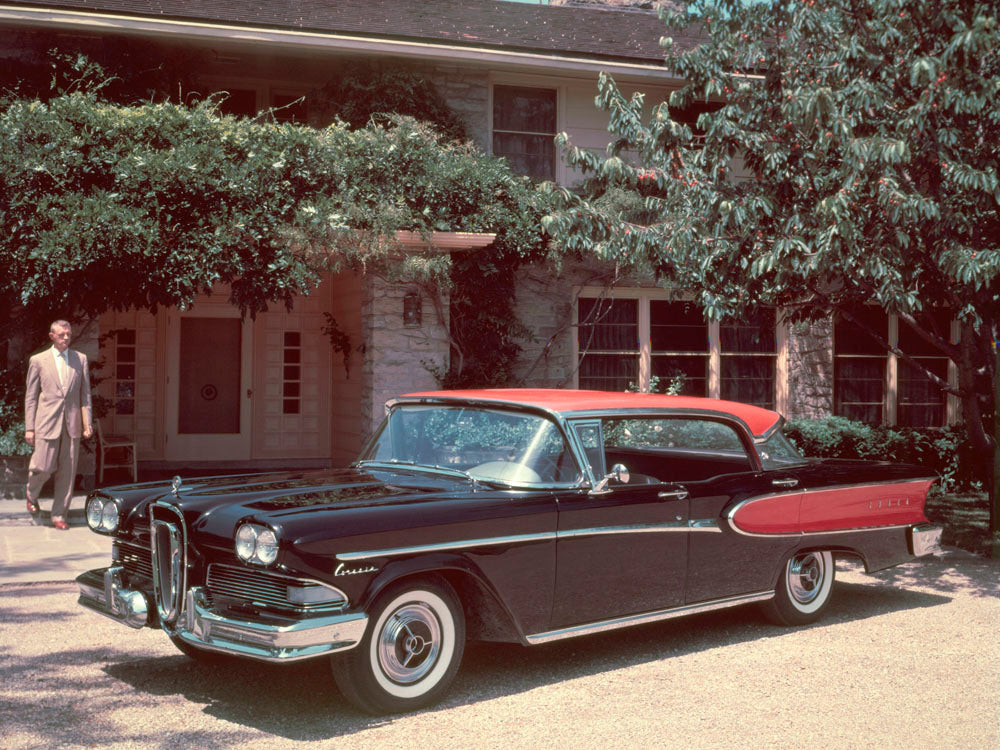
(528, 82)
(714, 385)
(890, 400)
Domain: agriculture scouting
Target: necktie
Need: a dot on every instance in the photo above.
(61, 360)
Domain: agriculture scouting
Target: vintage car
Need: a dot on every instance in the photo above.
(505, 515)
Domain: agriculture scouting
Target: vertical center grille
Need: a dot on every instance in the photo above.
(166, 528)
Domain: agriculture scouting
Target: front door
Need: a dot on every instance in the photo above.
(209, 356)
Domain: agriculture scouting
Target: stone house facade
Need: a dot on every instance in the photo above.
(515, 74)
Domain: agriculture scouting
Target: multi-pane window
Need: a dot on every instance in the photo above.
(524, 126)
(921, 402)
(291, 381)
(680, 346)
(608, 332)
(859, 366)
(874, 386)
(643, 340)
(125, 372)
(749, 359)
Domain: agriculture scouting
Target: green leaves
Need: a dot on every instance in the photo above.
(106, 206)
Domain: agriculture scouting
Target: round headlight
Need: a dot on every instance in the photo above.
(267, 547)
(95, 511)
(109, 516)
(246, 541)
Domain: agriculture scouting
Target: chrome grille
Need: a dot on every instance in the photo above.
(264, 589)
(136, 559)
(167, 544)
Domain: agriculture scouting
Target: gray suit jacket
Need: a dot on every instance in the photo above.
(47, 404)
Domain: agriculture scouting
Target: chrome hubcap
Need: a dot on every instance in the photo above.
(805, 577)
(409, 644)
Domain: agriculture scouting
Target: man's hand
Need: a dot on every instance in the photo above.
(88, 431)
(29, 438)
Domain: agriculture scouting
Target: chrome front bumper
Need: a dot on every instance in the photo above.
(925, 539)
(277, 641)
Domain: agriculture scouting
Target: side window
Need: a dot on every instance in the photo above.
(589, 435)
(675, 449)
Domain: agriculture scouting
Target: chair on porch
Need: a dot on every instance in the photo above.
(115, 445)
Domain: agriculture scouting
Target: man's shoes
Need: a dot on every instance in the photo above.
(60, 524)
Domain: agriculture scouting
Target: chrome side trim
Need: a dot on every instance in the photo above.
(801, 491)
(445, 546)
(651, 528)
(283, 641)
(647, 617)
(709, 525)
(704, 524)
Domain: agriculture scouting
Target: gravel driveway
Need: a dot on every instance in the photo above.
(906, 658)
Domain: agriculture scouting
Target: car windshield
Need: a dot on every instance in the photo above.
(493, 445)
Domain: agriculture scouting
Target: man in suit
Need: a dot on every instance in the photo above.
(56, 414)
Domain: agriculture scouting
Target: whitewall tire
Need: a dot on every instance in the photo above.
(804, 589)
(411, 650)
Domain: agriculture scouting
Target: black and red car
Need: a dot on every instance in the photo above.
(504, 515)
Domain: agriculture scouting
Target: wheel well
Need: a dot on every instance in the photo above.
(485, 618)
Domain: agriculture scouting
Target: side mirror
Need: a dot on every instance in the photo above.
(619, 472)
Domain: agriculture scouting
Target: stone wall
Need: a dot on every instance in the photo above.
(467, 93)
(810, 370)
(398, 359)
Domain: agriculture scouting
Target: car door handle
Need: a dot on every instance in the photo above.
(790, 482)
(680, 494)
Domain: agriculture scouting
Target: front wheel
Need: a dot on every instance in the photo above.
(410, 653)
(803, 590)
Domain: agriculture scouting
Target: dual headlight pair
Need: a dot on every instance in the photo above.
(256, 544)
(103, 514)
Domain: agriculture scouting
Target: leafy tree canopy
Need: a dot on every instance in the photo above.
(107, 207)
(846, 154)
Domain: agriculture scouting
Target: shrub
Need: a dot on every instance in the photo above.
(943, 450)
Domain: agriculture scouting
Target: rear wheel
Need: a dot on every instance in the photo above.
(803, 590)
(411, 650)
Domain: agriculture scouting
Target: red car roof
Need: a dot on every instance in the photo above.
(564, 401)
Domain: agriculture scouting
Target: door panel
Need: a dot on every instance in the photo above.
(724, 562)
(618, 554)
(209, 386)
(208, 406)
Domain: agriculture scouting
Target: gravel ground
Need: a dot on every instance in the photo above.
(907, 657)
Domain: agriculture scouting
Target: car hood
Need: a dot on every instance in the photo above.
(216, 505)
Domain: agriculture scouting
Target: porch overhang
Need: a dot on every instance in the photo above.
(444, 242)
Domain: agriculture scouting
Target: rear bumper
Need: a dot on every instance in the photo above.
(924, 539)
(274, 640)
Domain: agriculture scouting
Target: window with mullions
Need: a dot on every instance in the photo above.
(524, 126)
(608, 343)
(679, 345)
(859, 366)
(125, 372)
(644, 339)
(748, 361)
(921, 402)
(291, 381)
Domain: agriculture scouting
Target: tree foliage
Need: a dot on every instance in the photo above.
(849, 158)
(105, 206)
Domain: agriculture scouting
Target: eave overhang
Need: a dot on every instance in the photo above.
(265, 37)
(444, 242)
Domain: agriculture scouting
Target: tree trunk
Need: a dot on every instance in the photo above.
(994, 486)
